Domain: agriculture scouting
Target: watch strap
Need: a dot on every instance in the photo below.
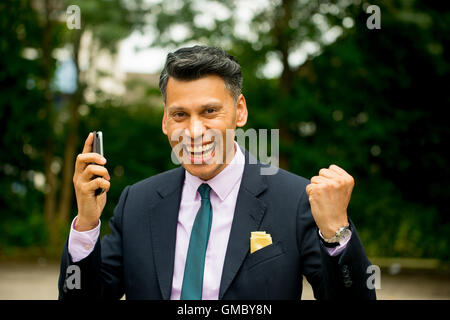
(326, 244)
(340, 235)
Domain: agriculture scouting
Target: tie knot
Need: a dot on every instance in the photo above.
(204, 190)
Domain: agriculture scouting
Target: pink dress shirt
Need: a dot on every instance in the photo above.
(223, 196)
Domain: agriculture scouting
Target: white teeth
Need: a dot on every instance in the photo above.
(206, 147)
(198, 149)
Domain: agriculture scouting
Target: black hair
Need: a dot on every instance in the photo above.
(192, 63)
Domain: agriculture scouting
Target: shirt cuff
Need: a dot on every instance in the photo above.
(338, 249)
(81, 243)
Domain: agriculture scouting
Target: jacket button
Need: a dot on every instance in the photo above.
(344, 270)
(346, 276)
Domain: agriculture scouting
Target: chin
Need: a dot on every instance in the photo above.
(203, 171)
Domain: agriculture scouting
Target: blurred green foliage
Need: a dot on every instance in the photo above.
(372, 102)
(20, 204)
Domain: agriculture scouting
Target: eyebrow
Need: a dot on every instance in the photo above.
(204, 106)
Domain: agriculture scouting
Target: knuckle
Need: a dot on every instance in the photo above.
(98, 181)
(351, 180)
(89, 168)
(98, 158)
(94, 168)
(101, 183)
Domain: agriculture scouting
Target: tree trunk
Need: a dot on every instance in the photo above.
(282, 40)
(50, 176)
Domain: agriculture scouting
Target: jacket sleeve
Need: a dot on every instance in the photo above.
(332, 277)
(100, 274)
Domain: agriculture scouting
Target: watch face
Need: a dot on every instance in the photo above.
(344, 236)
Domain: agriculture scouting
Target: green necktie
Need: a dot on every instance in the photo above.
(195, 260)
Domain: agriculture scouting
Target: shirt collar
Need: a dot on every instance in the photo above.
(224, 182)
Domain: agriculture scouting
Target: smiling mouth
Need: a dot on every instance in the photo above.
(200, 153)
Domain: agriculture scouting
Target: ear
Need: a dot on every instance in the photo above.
(241, 111)
(164, 119)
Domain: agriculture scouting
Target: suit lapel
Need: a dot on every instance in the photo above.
(163, 223)
(248, 215)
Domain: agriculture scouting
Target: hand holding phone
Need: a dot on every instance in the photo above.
(91, 181)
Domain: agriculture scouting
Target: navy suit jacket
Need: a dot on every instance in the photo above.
(137, 258)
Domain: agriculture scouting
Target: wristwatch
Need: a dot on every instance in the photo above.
(340, 237)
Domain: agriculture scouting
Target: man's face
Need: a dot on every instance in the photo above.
(198, 113)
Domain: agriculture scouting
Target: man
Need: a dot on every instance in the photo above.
(185, 233)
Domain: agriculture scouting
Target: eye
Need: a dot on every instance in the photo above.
(178, 114)
(210, 110)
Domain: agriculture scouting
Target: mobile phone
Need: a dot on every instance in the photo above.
(98, 148)
(98, 142)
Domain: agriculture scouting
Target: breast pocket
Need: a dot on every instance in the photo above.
(264, 255)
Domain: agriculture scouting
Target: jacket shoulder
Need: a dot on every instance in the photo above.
(171, 177)
(287, 179)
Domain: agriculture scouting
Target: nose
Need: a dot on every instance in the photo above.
(195, 131)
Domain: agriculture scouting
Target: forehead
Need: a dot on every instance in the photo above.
(207, 89)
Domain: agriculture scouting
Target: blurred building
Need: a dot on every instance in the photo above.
(104, 77)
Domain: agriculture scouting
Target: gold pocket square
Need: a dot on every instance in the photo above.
(259, 240)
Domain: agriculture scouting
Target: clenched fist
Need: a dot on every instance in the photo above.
(329, 194)
(90, 207)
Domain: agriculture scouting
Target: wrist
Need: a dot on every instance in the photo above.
(330, 231)
(341, 237)
(327, 233)
(84, 225)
